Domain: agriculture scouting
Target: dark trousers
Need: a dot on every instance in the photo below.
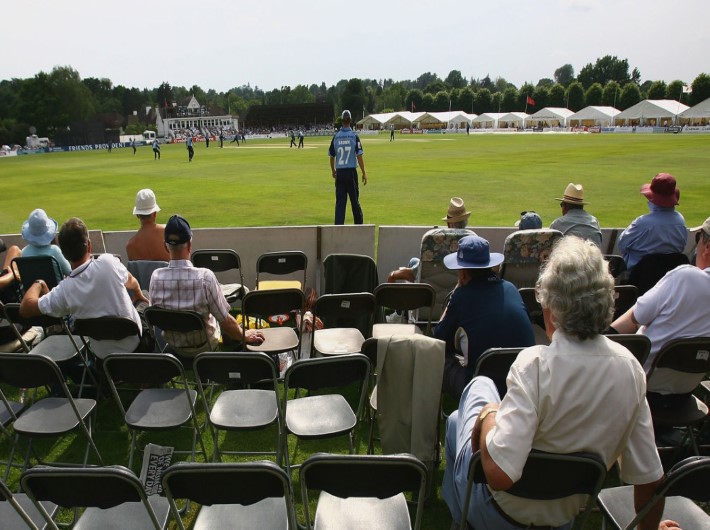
(190, 153)
(346, 186)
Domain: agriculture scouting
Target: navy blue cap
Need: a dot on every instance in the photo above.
(177, 231)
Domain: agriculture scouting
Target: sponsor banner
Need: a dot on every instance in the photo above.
(695, 129)
(412, 131)
(7, 153)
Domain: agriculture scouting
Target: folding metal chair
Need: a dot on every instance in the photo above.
(273, 267)
(495, 363)
(156, 408)
(548, 476)
(638, 345)
(103, 329)
(684, 483)
(113, 496)
(403, 297)
(242, 409)
(371, 487)
(221, 261)
(142, 270)
(184, 323)
(347, 319)
(624, 298)
(689, 359)
(652, 267)
(324, 415)
(349, 273)
(45, 416)
(234, 496)
(17, 512)
(33, 268)
(277, 303)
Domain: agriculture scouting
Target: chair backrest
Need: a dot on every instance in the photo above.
(281, 264)
(372, 476)
(617, 266)
(495, 363)
(652, 268)
(96, 487)
(346, 310)
(143, 368)
(549, 476)
(524, 253)
(624, 297)
(690, 356)
(221, 262)
(106, 328)
(33, 268)
(234, 367)
(532, 305)
(30, 371)
(179, 322)
(349, 273)
(436, 244)
(688, 478)
(242, 483)
(7, 498)
(327, 372)
(638, 345)
(143, 270)
(263, 304)
(407, 297)
(11, 312)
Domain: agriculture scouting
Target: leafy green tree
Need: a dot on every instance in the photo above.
(645, 86)
(9, 98)
(575, 96)
(593, 95)
(496, 103)
(556, 97)
(428, 103)
(484, 83)
(657, 90)
(501, 84)
(674, 91)
(435, 87)
(455, 79)
(545, 82)
(610, 96)
(414, 100)
(454, 98)
(630, 95)
(441, 101)
(425, 80)
(701, 89)
(164, 95)
(394, 96)
(354, 97)
(564, 75)
(466, 100)
(541, 95)
(605, 69)
(526, 90)
(37, 103)
(510, 102)
(301, 94)
(484, 101)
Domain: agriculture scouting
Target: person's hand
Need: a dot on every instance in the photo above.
(364, 179)
(253, 336)
(476, 431)
(669, 525)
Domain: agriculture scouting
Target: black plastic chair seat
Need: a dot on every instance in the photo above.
(126, 515)
(319, 416)
(337, 341)
(11, 520)
(276, 340)
(5, 417)
(617, 505)
(244, 409)
(267, 513)
(160, 408)
(53, 416)
(690, 412)
(389, 329)
(59, 348)
(362, 512)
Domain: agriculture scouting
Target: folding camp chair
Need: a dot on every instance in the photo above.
(241, 409)
(686, 482)
(169, 322)
(105, 331)
(234, 496)
(221, 262)
(17, 512)
(347, 320)
(348, 273)
(45, 416)
(403, 297)
(525, 251)
(363, 491)
(277, 270)
(113, 496)
(652, 267)
(548, 476)
(323, 415)
(156, 408)
(33, 268)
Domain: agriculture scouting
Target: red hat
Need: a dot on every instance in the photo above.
(662, 191)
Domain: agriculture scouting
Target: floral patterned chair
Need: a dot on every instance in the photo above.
(524, 253)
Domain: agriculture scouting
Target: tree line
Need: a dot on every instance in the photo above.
(50, 101)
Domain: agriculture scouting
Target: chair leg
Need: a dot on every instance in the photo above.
(133, 448)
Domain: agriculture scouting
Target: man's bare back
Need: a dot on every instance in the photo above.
(148, 244)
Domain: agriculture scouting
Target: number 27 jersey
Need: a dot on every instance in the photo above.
(345, 148)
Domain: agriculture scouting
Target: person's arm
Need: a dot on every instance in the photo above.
(332, 166)
(133, 286)
(642, 494)
(496, 477)
(234, 331)
(626, 323)
(361, 163)
(29, 306)
(669, 525)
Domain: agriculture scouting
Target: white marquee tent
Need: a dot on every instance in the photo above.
(513, 119)
(592, 115)
(554, 116)
(489, 120)
(700, 113)
(657, 112)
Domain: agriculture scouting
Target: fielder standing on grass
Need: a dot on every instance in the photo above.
(190, 149)
(345, 155)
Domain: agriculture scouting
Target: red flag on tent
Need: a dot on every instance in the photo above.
(531, 101)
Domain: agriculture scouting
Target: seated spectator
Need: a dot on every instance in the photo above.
(8, 288)
(582, 393)
(575, 220)
(149, 242)
(662, 230)
(676, 307)
(529, 221)
(489, 310)
(96, 287)
(39, 232)
(456, 217)
(184, 287)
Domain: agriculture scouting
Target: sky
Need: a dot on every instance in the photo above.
(273, 43)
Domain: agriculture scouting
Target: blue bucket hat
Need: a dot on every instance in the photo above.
(474, 253)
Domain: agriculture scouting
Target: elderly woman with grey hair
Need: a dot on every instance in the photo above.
(582, 393)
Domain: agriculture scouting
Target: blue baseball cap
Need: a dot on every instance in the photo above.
(177, 231)
(474, 253)
(529, 221)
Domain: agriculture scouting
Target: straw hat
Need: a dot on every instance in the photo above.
(574, 194)
(457, 211)
(39, 229)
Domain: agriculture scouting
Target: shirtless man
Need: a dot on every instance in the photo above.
(148, 243)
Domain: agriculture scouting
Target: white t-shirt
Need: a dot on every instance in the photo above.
(567, 397)
(95, 289)
(676, 307)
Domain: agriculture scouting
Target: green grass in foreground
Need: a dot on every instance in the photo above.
(264, 183)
